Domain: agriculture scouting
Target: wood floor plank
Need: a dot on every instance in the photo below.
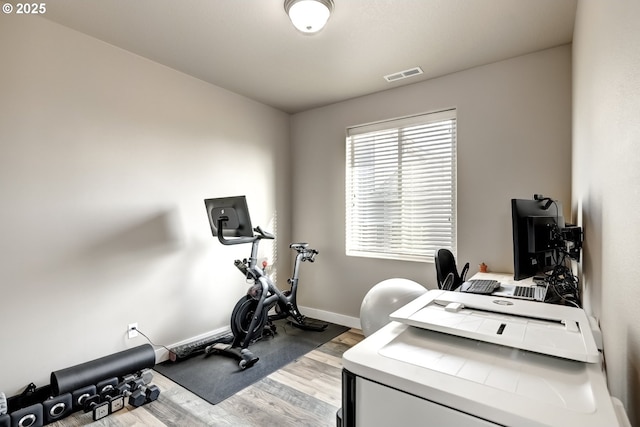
(315, 379)
(350, 338)
(334, 348)
(319, 389)
(262, 409)
(171, 412)
(325, 358)
(304, 403)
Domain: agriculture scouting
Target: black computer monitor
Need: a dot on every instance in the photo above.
(537, 226)
(236, 212)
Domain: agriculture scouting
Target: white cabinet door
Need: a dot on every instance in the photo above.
(380, 406)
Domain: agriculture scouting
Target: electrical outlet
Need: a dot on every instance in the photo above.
(132, 330)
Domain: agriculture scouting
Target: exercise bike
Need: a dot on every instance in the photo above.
(250, 318)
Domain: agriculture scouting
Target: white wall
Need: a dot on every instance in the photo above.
(514, 140)
(105, 159)
(606, 181)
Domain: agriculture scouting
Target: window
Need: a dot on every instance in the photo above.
(400, 187)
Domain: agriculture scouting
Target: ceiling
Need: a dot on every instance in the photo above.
(250, 47)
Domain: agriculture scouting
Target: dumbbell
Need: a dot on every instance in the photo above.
(110, 394)
(142, 389)
(31, 416)
(114, 398)
(114, 392)
(137, 391)
(144, 394)
(146, 375)
(57, 407)
(5, 419)
(96, 406)
(80, 395)
(105, 385)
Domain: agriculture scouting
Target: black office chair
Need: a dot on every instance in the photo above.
(447, 272)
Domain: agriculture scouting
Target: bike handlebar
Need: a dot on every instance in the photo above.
(243, 239)
(263, 234)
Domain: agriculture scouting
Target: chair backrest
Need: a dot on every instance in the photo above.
(445, 266)
(447, 285)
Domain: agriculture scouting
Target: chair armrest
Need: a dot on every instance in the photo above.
(463, 275)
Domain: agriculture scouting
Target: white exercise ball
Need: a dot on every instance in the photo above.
(385, 298)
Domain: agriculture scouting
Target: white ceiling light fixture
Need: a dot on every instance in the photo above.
(309, 16)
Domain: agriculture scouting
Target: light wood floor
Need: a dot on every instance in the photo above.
(307, 392)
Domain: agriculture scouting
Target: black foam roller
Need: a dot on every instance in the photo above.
(115, 365)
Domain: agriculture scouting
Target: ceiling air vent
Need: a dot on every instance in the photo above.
(403, 74)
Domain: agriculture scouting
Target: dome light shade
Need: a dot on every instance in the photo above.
(308, 16)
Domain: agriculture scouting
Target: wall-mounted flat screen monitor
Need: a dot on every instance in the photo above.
(537, 226)
(235, 214)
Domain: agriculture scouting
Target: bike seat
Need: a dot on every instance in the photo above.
(298, 246)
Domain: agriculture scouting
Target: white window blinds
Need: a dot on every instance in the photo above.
(400, 187)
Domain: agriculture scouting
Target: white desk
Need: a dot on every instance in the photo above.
(406, 376)
(409, 376)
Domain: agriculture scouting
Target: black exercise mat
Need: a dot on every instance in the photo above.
(216, 377)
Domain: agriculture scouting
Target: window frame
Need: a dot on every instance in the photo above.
(412, 197)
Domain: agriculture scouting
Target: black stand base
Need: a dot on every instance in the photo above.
(245, 358)
(315, 327)
(299, 321)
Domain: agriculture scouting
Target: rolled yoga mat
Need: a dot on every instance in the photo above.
(115, 365)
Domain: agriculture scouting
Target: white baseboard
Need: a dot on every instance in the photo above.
(328, 316)
(162, 354)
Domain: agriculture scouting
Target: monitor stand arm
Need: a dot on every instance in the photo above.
(234, 241)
